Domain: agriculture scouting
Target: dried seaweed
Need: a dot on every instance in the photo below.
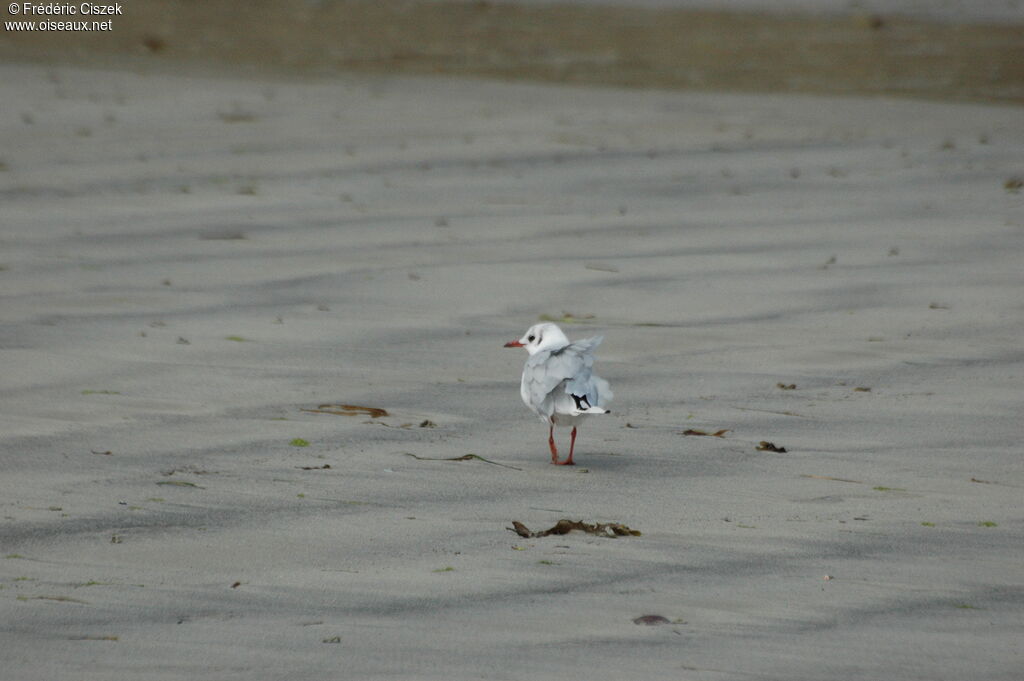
(464, 457)
(717, 433)
(766, 446)
(326, 466)
(786, 386)
(565, 526)
(348, 410)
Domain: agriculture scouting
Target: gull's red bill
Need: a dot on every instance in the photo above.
(513, 344)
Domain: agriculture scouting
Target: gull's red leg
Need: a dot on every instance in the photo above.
(572, 446)
(551, 444)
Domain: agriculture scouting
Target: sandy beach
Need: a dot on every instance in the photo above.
(192, 265)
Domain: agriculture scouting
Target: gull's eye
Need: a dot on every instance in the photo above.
(530, 338)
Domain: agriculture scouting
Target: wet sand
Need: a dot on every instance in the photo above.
(958, 50)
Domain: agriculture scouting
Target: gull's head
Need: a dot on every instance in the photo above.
(540, 337)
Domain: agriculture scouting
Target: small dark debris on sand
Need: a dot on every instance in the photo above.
(565, 526)
(766, 446)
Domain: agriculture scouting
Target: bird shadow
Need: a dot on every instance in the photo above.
(603, 461)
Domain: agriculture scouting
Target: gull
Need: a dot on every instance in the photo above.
(558, 385)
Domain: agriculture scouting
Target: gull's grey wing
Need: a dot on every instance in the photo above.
(545, 371)
(593, 387)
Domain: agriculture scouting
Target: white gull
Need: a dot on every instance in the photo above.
(558, 385)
